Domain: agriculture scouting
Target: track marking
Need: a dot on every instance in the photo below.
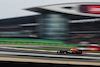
(46, 50)
(47, 61)
(49, 55)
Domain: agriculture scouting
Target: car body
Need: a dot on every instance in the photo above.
(70, 51)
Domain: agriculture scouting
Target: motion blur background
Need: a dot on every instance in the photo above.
(36, 30)
(16, 22)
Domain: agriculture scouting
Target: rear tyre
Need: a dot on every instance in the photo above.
(80, 52)
(61, 51)
(73, 52)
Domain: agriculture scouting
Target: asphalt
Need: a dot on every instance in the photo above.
(49, 58)
(47, 53)
(34, 46)
(42, 52)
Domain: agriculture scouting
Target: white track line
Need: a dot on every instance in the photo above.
(49, 55)
(44, 50)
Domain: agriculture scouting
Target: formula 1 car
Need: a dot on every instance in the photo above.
(70, 51)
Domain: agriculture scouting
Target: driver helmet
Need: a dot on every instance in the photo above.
(74, 49)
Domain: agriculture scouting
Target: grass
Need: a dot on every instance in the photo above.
(29, 40)
(92, 51)
(36, 42)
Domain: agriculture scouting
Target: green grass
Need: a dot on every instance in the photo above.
(92, 51)
(29, 40)
(35, 42)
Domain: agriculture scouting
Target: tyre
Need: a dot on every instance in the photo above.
(61, 51)
(73, 52)
(80, 52)
(57, 51)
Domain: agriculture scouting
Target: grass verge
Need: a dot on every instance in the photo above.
(92, 51)
(36, 42)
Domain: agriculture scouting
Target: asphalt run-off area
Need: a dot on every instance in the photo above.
(9, 54)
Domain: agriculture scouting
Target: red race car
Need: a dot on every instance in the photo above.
(70, 51)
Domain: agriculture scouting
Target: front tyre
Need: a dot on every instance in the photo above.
(57, 52)
(61, 51)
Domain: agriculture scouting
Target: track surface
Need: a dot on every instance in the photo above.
(49, 58)
(48, 53)
(39, 52)
(42, 52)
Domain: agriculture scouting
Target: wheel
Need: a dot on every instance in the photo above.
(80, 52)
(60, 51)
(57, 52)
(73, 52)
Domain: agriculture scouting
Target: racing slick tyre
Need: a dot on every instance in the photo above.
(80, 52)
(57, 51)
(61, 51)
(73, 52)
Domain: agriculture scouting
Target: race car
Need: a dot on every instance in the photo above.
(70, 51)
